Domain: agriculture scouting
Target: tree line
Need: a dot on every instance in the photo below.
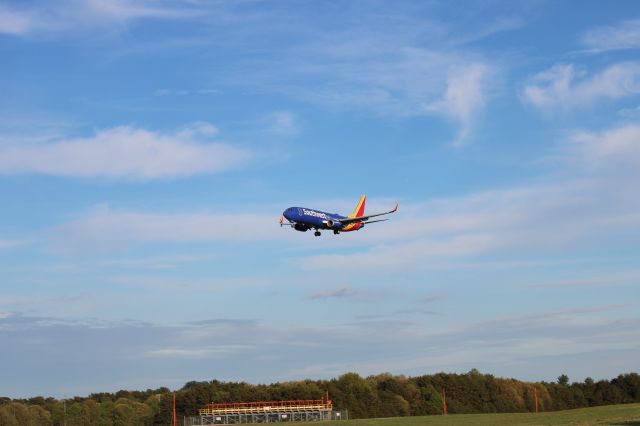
(382, 395)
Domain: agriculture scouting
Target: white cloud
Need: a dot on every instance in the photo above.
(624, 35)
(411, 70)
(10, 243)
(565, 88)
(126, 152)
(630, 113)
(495, 26)
(464, 97)
(185, 92)
(614, 279)
(13, 22)
(613, 148)
(33, 346)
(343, 292)
(283, 123)
(172, 92)
(391, 74)
(107, 228)
(596, 202)
(122, 10)
(198, 353)
(196, 130)
(591, 204)
(403, 254)
(73, 15)
(103, 228)
(594, 205)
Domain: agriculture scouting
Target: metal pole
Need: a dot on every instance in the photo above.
(444, 402)
(175, 419)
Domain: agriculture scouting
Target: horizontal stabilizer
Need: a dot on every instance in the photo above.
(378, 220)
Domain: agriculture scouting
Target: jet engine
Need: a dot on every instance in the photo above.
(300, 227)
(333, 224)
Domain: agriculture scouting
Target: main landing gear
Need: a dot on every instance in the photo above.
(317, 233)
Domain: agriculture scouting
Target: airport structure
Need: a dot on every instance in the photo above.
(266, 412)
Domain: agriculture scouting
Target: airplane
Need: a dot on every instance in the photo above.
(303, 219)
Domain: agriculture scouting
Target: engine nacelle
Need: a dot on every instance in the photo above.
(300, 227)
(333, 224)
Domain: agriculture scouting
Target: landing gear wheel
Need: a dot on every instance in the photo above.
(317, 233)
(336, 232)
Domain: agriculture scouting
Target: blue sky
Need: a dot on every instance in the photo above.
(147, 149)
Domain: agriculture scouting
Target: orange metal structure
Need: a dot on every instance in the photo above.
(267, 407)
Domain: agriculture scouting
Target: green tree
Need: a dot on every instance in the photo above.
(6, 416)
(15, 413)
(358, 396)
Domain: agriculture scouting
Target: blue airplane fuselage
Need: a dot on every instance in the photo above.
(310, 218)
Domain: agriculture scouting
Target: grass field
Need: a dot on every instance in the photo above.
(622, 415)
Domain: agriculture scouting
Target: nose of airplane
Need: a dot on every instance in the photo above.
(285, 214)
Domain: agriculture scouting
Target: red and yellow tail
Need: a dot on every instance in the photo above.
(359, 211)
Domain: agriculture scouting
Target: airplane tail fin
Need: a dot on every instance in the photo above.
(359, 211)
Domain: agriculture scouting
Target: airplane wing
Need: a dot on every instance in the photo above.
(366, 218)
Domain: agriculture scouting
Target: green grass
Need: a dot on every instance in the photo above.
(622, 415)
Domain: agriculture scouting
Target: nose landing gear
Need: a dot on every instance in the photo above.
(317, 233)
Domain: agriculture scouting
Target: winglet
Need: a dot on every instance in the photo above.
(395, 209)
(281, 219)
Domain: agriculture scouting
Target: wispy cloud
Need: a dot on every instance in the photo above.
(535, 218)
(432, 297)
(217, 351)
(343, 292)
(225, 321)
(132, 9)
(595, 202)
(614, 279)
(563, 87)
(495, 26)
(126, 152)
(630, 113)
(368, 347)
(613, 148)
(80, 15)
(399, 255)
(4, 244)
(396, 81)
(104, 228)
(14, 22)
(283, 123)
(623, 35)
(411, 70)
(464, 97)
(414, 69)
(186, 92)
(499, 344)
